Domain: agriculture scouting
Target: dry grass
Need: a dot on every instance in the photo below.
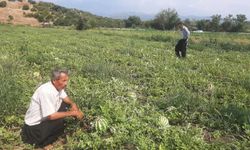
(242, 41)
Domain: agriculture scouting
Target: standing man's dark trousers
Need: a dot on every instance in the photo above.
(44, 133)
(181, 48)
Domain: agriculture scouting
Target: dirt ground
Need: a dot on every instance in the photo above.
(14, 9)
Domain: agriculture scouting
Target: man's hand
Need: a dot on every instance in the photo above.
(74, 110)
(78, 114)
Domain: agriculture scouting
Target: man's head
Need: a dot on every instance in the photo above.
(180, 25)
(59, 78)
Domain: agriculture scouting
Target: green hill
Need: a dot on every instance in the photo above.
(28, 12)
(49, 12)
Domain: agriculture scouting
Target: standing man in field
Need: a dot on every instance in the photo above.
(181, 46)
(44, 118)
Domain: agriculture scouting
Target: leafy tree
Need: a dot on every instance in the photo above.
(147, 24)
(187, 22)
(227, 24)
(248, 26)
(93, 22)
(203, 24)
(232, 24)
(166, 19)
(82, 24)
(240, 23)
(215, 22)
(133, 21)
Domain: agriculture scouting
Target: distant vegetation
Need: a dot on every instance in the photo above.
(228, 24)
(61, 16)
(165, 20)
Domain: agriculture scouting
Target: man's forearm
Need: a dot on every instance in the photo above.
(59, 115)
(71, 103)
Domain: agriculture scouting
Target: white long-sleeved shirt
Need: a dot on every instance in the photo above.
(185, 32)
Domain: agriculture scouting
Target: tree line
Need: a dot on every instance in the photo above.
(167, 19)
(164, 20)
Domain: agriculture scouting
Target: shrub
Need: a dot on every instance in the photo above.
(26, 7)
(11, 17)
(80, 25)
(3, 4)
(29, 15)
(33, 9)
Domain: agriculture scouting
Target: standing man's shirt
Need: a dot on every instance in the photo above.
(45, 101)
(185, 32)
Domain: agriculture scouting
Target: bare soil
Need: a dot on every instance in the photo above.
(14, 9)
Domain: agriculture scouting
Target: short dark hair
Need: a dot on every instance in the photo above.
(55, 74)
(179, 23)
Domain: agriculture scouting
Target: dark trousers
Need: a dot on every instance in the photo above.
(181, 48)
(44, 133)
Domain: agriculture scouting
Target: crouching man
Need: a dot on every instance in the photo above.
(44, 117)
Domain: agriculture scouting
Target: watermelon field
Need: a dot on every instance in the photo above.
(134, 92)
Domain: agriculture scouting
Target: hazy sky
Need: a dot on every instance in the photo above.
(183, 7)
